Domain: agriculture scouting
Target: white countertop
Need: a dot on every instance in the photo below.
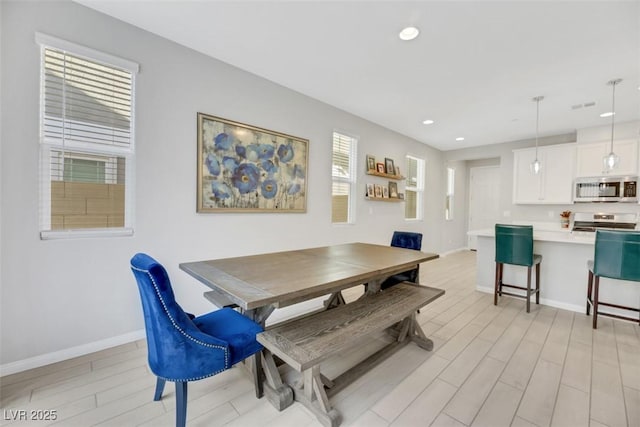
(546, 235)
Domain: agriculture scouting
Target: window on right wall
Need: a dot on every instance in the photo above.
(451, 186)
(343, 161)
(414, 188)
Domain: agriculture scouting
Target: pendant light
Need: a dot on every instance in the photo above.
(610, 161)
(536, 166)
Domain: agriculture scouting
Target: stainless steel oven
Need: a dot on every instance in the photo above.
(606, 189)
(590, 222)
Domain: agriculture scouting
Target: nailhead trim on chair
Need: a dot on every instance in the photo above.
(164, 306)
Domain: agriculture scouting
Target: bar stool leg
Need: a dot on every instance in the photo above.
(589, 289)
(495, 285)
(538, 283)
(595, 302)
(528, 289)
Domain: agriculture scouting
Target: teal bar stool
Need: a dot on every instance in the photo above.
(514, 245)
(617, 256)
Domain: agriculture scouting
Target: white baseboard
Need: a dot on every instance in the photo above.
(69, 353)
(453, 251)
(550, 303)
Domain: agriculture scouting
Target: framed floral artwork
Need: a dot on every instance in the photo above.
(243, 168)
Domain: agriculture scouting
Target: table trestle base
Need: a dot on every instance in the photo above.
(305, 344)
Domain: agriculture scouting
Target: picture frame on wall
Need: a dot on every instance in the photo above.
(393, 190)
(385, 192)
(371, 163)
(389, 166)
(378, 191)
(244, 168)
(380, 167)
(370, 191)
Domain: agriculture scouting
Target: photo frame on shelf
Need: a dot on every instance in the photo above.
(385, 192)
(397, 170)
(393, 190)
(378, 191)
(389, 167)
(370, 191)
(380, 167)
(401, 196)
(243, 168)
(371, 163)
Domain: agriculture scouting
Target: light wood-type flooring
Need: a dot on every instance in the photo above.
(491, 366)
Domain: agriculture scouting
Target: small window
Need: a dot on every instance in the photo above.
(343, 178)
(451, 187)
(414, 188)
(86, 141)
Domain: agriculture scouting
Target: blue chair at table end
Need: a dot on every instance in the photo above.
(406, 240)
(182, 347)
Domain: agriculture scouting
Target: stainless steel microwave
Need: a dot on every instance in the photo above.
(606, 189)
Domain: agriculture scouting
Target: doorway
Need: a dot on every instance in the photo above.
(484, 199)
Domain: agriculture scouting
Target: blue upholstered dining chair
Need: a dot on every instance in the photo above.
(407, 240)
(182, 347)
(616, 256)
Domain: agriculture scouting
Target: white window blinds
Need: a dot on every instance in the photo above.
(85, 102)
(87, 143)
(343, 178)
(414, 188)
(451, 185)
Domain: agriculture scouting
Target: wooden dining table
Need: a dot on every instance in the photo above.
(259, 284)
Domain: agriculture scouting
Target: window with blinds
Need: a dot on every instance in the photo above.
(343, 160)
(414, 188)
(451, 185)
(86, 140)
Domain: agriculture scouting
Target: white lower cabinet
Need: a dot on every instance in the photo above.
(589, 158)
(554, 183)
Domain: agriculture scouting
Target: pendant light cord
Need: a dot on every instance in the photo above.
(537, 99)
(537, 122)
(613, 110)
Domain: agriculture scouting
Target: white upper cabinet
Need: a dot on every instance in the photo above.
(554, 183)
(589, 158)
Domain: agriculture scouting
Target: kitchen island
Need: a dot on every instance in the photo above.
(563, 272)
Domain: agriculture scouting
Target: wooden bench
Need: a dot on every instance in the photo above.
(305, 343)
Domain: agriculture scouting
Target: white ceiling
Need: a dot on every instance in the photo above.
(473, 69)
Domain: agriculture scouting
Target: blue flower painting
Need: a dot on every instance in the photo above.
(243, 168)
(245, 178)
(269, 188)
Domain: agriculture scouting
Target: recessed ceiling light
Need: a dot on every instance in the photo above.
(608, 114)
(428, 122)
(409, 33)
(459, 138)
